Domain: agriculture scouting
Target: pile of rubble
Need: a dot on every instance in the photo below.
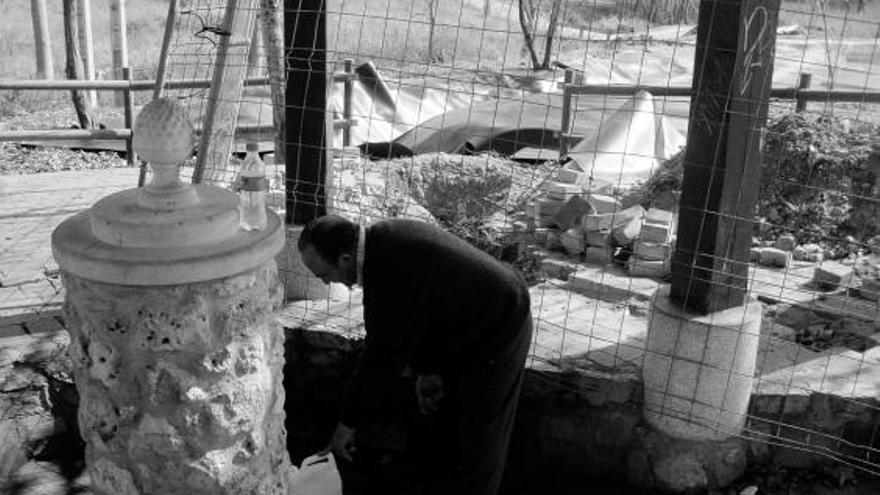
(598, 228)
(859, 273)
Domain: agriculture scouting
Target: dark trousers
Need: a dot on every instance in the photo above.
(461, 449)
(474, 425)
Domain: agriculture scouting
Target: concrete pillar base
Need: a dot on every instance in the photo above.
(181, 386)
(699, 369)
(299, 283)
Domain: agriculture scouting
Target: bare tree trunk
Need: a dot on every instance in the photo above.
(74, 63)
(551, 31)
(526, 21)
(41, 40)
(432, 19)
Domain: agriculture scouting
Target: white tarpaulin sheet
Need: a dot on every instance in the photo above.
(630, 143)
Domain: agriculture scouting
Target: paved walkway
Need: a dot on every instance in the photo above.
(31, 206)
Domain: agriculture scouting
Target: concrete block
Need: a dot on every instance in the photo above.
(569, 176)
(627, 231)
(573, 241)
(658, 251)
(807, 252)
(599, 254)
(599, 285)
(833, 275)
(774, 257)
(561, 190)
(870, 290)
(571, 212)
(597, 222)
(540, 234)
(755, 254)
(603, 203)
(656, 215)
(598, 237)
(547, 208)
(639, 267)
(786, 242)
(654, 232)
(553, 241)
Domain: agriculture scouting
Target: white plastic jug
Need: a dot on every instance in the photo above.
(317, 476)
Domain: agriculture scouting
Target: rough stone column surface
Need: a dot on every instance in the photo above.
(181, 387)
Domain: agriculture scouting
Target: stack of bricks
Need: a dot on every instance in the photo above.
(560, 205)
(598, 227)
(652, 251)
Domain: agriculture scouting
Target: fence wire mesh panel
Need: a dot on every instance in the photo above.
(689, 188)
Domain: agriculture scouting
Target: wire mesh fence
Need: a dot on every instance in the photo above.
(553, 135)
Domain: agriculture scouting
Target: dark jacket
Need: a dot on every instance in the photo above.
(434, 303)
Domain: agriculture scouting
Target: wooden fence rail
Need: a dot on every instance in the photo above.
(800, 94)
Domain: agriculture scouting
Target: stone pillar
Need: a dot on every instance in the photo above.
(177, 357)
(698, 369)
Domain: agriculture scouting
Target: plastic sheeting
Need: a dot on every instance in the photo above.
(629, 144)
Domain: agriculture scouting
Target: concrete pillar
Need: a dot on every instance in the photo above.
(698, 370)
(178, 358)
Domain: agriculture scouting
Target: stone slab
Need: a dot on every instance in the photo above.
(785, 242)
(600, 255)
(774, 257)
(640, 267)
(833, 275)
(647, 250)
(655, 232)
(572, 241)
(568, 176)
(610, 284)
(598, 237)
(604, 204)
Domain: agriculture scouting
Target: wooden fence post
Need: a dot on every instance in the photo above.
(43, 45)
(803, 83)
(273, 46)
(348, 87)
(170, 20)
(722, 166)
(306, 100)
(230, 69)
(118, 44)
(130, 155)
(564, 130)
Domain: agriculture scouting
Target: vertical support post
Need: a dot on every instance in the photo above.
(166, 44)
(566, 114)
(87, 45)
(230, 69)
(803, 83)
(130, 155)
(118, 44)
(273, 45)
(306, 97)
(346, 104)
(255, 55)
(733, 70)
(42, 42)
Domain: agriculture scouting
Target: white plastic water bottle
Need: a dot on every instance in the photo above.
(252, 196)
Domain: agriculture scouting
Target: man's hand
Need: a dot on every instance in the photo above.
(342, 443)
(429, 391)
